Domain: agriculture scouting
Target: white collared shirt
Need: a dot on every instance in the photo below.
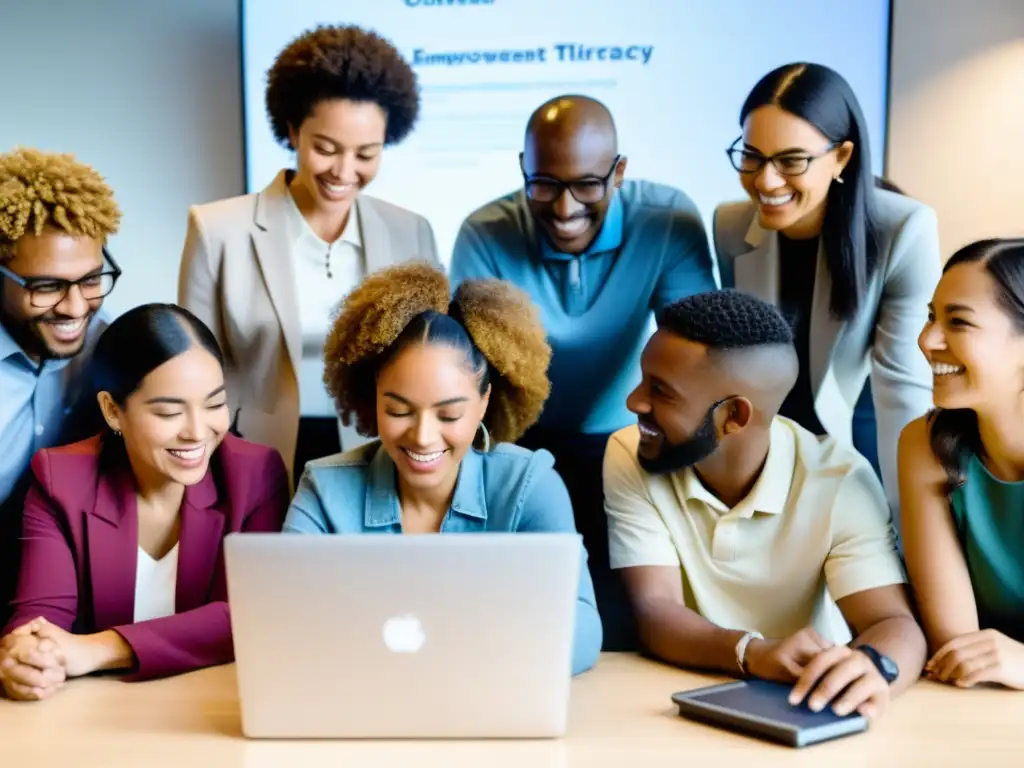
(156, 583)
(814, 528)
(324, 274)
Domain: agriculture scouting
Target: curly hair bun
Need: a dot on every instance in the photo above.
(499, 320)
(376, 313)
(505, 326)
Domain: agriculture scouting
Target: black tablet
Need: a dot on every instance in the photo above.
(760, 708)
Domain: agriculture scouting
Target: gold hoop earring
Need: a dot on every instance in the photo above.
(487, 438)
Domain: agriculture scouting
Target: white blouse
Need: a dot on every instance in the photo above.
(155, 584)
(324, 274)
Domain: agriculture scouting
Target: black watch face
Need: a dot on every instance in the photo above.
(889, 669)
(886, 666)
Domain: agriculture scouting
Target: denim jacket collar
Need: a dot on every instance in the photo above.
(468, 503)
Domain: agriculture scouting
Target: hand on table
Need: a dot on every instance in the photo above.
(32, 668)
(987, 656)
(784, 660)
(81, 653)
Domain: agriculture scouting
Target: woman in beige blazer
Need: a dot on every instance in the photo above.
(852, 266)
(266, 271)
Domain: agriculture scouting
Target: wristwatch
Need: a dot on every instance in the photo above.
(741, 649)
(886, 667)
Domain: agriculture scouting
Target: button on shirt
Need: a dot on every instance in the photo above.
(35, 399)
(815, 528)
(596, 306)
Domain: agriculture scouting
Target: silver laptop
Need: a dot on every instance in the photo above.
(377, 636)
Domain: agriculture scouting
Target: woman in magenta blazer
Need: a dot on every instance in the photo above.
(122, 565)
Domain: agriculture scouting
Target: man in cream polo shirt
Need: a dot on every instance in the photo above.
(748, 544)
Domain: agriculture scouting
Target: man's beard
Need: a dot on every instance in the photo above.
(28, 334)
(697, 447)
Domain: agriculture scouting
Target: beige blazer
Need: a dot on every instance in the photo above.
(881, 340)
(237, 277)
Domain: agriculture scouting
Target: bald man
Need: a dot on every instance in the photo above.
(598, 255)
(748, 545)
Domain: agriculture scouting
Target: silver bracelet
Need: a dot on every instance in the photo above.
(741, 649)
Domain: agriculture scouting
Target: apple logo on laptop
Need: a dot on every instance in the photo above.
(404, 634)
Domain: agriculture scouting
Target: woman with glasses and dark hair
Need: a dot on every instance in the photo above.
(122, 565)
(266, 271)
(962, 472)
(56, 215)
(850, 265)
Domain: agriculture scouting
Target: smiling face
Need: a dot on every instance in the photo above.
(338, 150)
(429, 409)
(58, 331)
(587, 158)
(174, 421)
(975, 350)
(674, 405)
(793, 204)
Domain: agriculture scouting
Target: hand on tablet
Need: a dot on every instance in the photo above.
(784, 660)
(845, 678)
(979, 657)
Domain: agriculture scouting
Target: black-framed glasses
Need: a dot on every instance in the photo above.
(48, 292)
(587, 190)
(792, 162)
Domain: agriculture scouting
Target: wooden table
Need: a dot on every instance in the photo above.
(621, 716)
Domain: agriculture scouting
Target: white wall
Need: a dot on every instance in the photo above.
(956, 135)
(148, 93)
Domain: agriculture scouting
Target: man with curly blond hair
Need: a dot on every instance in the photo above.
(55, 217)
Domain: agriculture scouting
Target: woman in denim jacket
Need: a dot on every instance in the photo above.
(446, 385)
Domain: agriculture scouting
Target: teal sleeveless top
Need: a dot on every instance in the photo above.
(989, 518)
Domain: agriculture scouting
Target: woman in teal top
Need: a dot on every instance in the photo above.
(961, 471)
(446, 386)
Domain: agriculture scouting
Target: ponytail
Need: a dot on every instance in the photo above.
(954, 439)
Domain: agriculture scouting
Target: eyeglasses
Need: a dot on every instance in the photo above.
(793, 162)
(587, 190)
(48, 292)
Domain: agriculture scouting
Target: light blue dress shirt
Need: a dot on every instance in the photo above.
(34, 400)
(597, 306)
(509, 489)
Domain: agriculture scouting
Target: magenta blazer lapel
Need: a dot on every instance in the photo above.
(113, 547)
(202, 533)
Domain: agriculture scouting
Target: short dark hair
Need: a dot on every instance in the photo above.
(726, 320)
(341, 62)
(823, 98)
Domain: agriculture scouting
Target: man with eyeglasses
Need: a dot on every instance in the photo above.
(598, 255)
(55, 217)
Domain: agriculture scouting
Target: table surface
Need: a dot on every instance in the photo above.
(621, 715)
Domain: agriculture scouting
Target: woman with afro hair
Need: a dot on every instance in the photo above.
(446, 385)
(265, 271)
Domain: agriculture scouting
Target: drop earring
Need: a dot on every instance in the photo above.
(839, 180)
(486, 436)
